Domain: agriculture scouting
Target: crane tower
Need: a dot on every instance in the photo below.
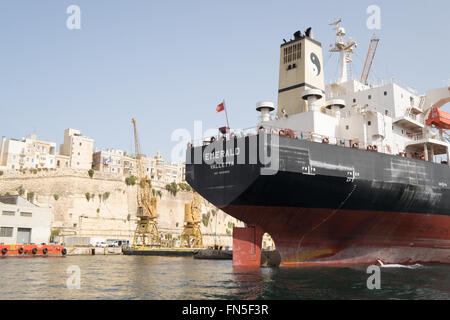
(146, 233)
(191, 236)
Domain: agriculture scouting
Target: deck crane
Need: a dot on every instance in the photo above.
(146, 233)
(369, 58)
(191, 236)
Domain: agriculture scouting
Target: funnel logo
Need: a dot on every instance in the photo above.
(314, 64)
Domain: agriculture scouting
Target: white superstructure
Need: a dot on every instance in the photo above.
(386, 118)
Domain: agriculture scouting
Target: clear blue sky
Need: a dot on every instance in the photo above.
(168, 63)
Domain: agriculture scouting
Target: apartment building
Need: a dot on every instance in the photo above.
(120, 162)
(27, 153)
(109, 160)
(78, 148)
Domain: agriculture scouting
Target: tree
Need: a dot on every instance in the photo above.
(30, 196)
(91, 172)
(131, 181)
(172, 188)
(21, 191)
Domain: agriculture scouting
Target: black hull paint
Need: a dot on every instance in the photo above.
(320, 180)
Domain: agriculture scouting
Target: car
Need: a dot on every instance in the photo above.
(102, 245)
(114, 244)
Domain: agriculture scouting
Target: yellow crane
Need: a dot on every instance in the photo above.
(146, 233)
(191, 236)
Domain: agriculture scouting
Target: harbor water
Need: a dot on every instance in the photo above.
(150, 277)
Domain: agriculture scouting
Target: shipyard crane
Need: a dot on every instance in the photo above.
(191, 236)
(369, 58)
(146, 233)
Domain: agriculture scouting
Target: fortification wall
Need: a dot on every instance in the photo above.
(104, 206)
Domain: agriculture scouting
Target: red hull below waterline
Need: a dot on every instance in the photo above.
(32, 250)
(309, 236)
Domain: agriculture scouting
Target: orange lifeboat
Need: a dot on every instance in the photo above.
(439, 118)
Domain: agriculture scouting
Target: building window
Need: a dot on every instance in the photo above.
(6, 232)
(369, 123)
(354, 100)
(370, 96)
(8, 213)
(385, 93)
(26, 214)
(386, 112)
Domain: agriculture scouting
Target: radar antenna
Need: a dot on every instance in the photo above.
(345, 49)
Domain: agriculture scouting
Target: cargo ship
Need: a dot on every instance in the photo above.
(344, 174)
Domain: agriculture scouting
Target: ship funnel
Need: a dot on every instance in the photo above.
(265, 107)
(312, 96)
(301, 68)
(335, 105)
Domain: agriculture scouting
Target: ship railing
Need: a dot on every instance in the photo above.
(422, 136)
(309, 136)
(294, 134)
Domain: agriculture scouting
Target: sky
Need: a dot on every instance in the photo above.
(169, 63)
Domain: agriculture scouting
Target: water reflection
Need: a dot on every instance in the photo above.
(137, 277)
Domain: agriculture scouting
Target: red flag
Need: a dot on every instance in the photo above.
(220, 107)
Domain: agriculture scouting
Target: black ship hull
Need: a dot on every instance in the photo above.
(326, 204)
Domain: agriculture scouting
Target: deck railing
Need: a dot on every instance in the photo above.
(309, 136)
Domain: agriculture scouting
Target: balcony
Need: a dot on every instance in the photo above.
(434, 142)
(411, 122)
(416, 110)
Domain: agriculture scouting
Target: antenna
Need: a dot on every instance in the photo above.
(345, 49)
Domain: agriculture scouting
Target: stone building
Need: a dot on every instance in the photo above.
(27, 153)
(22, 222)
(120, 162)
(78, 148)
(109, 160)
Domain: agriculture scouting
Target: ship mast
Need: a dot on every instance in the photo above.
(345, 49)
